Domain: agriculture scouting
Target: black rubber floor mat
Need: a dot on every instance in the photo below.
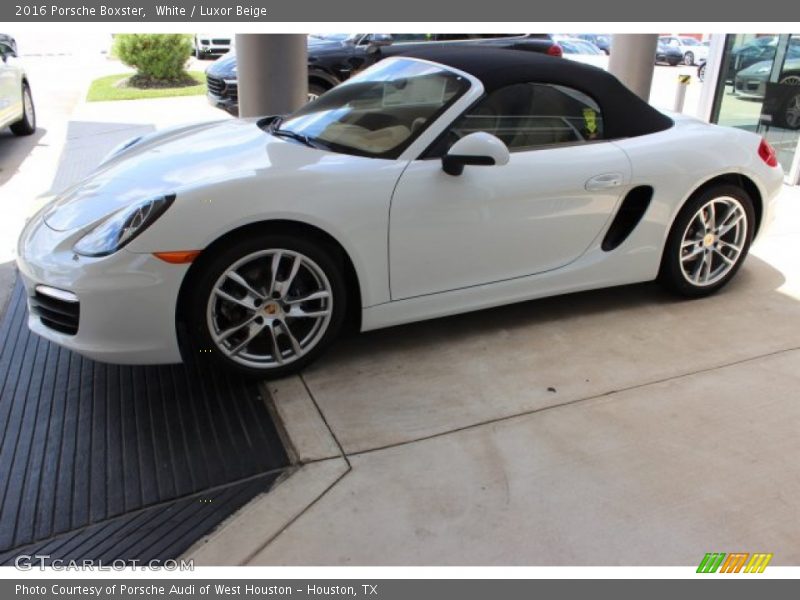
(83, 442)
(158, 533)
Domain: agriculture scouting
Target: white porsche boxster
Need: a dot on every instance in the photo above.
(444, 181)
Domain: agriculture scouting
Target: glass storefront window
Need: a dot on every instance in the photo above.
(759, 89)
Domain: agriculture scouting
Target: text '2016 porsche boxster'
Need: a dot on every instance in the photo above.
(434, 183)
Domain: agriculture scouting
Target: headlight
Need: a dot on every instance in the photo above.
(121, 227)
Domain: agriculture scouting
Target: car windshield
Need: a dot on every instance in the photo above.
(330, 37)
(377, 113)
(579, 47)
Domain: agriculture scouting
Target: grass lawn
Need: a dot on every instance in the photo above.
(104, 89)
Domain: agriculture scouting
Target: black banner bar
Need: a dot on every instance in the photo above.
(418, 11)
(704, 587)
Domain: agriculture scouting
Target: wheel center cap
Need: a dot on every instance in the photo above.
(708, 239)
(272, 308)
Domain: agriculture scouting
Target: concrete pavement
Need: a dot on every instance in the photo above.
(618, 427)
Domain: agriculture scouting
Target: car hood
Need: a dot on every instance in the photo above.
(759, 69)
(225, 66)
(172, 161)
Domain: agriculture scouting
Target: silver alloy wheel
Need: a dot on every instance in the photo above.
(312, 97)
(27, 103)
(792, 115)
(713, 241)
(688, 59)
(269, 308)
(791, 80)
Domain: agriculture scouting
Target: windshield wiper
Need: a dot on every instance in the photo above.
(303, 139)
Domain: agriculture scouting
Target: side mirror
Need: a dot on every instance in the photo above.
(477, 149)
(379, 40)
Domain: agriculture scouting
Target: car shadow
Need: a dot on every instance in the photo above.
(755, 277)
(14, 150)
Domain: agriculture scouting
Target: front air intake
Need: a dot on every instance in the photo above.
(628, 216)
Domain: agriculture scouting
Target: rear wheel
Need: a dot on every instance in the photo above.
(708, 241)
(27, 124)
(790, 112)
(267, 306)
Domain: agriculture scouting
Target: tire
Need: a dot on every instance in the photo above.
(27, 124)
(688, 59)
(315, 91)
(790, 80)
(789, 113)
(254, 332)
(701, 72)
(681, 261)
(674, 62)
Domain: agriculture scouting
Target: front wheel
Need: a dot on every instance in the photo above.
(27, 124)
(267, 306)
(708, 241)
(701, 72)
(688, 59)
(315, 91)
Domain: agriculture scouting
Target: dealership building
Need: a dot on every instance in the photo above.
(752, 81)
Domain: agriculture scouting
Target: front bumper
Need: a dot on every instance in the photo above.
(223, 94)
(750, 86)
(229, 105)
(127, 301)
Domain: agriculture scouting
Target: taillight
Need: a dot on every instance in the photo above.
(555, 50)
(767, 153)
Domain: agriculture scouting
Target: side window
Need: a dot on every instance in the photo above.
(530, 115)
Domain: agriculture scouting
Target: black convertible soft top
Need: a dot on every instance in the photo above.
(624, 113)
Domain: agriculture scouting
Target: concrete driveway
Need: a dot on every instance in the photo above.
(619, 427)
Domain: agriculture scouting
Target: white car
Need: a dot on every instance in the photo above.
(694, 51)
(440, 182)
(207, 45)
(582, 51)
(16, 100)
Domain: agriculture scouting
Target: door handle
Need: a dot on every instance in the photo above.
(604, 181)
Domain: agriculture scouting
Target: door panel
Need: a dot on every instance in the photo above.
(10, 87)
(539, 212)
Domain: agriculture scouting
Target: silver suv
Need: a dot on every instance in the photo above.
(16, 100)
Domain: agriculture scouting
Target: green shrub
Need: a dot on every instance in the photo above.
(156, 57)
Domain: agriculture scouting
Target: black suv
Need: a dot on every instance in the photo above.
(333, 58)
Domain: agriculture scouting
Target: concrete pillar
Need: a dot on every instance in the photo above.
(632, 60)
(272, 72)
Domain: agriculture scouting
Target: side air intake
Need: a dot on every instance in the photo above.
(628, 216)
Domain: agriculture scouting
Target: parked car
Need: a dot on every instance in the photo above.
(753, 82)
(601, 40)
(511, 176)
(691, 49)
(207, 45)
(582, 51)
(9, 41)
(758, 50)
(16, 98)
(333, 58)
(668, 54)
